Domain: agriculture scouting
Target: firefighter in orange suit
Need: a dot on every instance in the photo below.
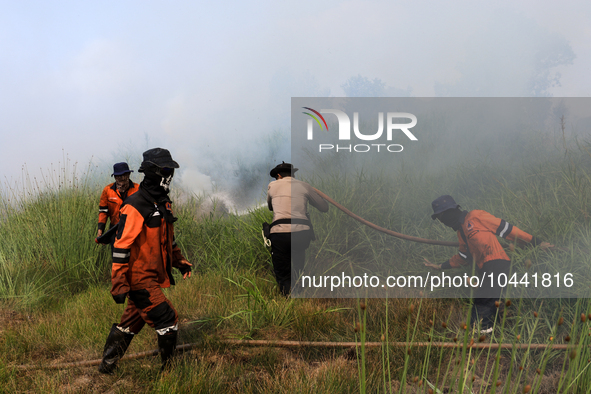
(477, 234)
(113, 196)
(144, 254)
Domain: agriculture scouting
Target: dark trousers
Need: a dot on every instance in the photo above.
(484, 297)
(288, 248)
(148, 306)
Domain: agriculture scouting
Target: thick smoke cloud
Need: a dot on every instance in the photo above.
(103, 81)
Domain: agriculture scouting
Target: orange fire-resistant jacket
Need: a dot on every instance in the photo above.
(144, 251)
(481, 230)
(110, 203)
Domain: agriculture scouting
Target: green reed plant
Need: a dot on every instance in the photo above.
(48, 231)
(260, 311)
(220, 240)
(361, 329)
(386, 368)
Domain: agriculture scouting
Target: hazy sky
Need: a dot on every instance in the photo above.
(211, 80)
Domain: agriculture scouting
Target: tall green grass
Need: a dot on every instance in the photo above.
(219, 240)
(48, 253)
(548, 198)
(48, 228)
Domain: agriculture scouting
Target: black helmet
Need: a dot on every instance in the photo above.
(157, 157)
(283, 167)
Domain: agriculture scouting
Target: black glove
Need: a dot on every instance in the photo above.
(184, 269)
(446, 265)
(535, 241)
(120, 298)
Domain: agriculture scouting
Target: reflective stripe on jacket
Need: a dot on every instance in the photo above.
(481, 230)
(110, 203)
(144, 251)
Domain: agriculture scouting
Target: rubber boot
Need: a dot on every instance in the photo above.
(115, 347)
(167, 347)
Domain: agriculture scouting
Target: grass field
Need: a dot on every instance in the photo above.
(56, 306)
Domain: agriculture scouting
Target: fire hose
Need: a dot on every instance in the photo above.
(296, 344)
(385, 230)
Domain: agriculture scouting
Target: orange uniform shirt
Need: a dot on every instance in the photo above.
(144, 251)
(481, 230)
(110, 203)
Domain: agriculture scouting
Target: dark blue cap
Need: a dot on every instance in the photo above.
(442, 203)
(120, 169)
